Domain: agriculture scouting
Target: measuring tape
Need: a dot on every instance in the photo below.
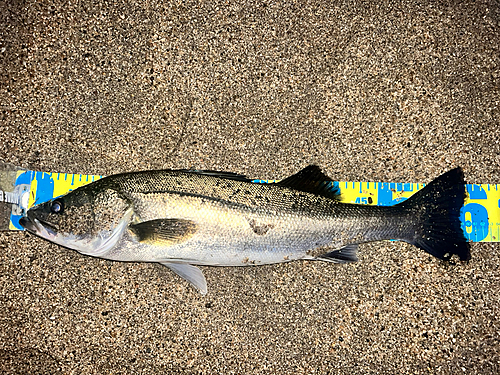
(480, 216)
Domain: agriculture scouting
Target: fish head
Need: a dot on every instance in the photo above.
(90, 219)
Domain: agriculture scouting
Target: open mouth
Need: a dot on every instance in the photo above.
(51, 233)
(37, 227)
(27, 224)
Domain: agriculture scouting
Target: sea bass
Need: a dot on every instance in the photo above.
(185, 218)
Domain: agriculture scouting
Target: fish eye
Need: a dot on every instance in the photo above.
(57, 207)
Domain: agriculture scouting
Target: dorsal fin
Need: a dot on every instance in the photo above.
(312, 180)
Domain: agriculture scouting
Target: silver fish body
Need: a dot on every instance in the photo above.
(187, 218)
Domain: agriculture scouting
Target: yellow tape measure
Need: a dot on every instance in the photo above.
(480, 215)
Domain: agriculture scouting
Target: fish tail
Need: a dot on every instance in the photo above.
(437, 209)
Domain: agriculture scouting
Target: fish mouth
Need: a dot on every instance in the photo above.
(49, 232)
(27, 224)
(37, 227)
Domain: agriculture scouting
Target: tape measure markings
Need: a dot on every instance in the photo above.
(480, 215)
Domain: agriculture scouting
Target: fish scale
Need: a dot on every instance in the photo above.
(231, 228)
(269, 205)
(246, 193)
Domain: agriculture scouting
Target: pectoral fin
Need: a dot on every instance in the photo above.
(190, 273)
(163, 232)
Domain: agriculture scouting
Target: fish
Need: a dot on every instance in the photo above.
(189, 218)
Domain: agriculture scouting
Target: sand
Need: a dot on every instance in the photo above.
(370, 91)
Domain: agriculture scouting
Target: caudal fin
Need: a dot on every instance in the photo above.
(437, 208)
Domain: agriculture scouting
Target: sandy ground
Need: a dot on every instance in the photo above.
(388, 91)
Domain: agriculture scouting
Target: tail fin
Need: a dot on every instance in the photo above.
(437, 206)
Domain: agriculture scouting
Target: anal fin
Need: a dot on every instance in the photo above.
(346, 254)
(190, 273)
